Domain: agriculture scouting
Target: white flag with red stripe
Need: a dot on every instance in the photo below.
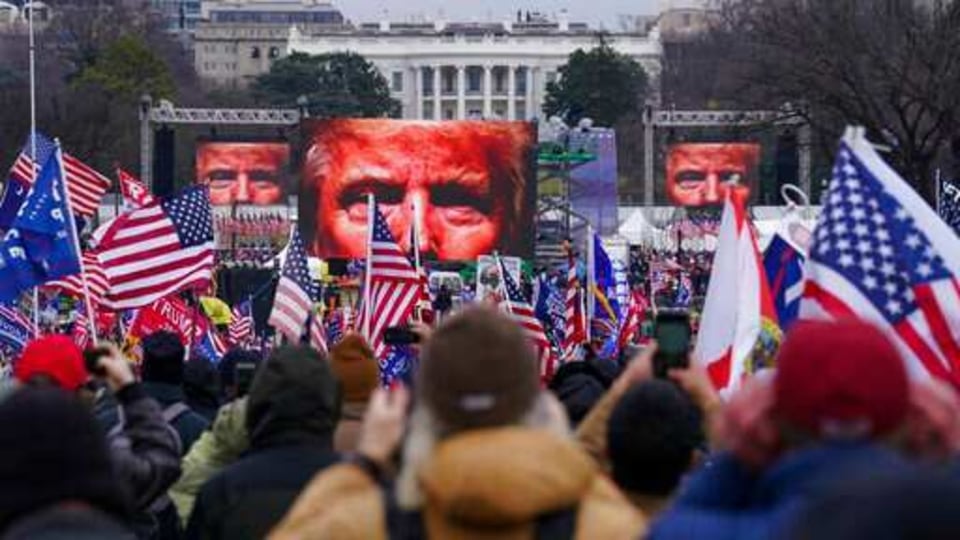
(738, 300)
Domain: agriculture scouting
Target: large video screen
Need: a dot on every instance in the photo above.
(699, 174)
(473, 183)
(248, 172)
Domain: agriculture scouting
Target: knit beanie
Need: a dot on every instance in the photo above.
(841, 379)
(52, 451)
(353, 363)
(163, 355)
(56, 357)
(478, 370)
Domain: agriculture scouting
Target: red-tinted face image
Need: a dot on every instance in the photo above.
(243, 172)
(700, 174)
(465, 184)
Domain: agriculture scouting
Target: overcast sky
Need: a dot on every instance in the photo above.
(594, 12)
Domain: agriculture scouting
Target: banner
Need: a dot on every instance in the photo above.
(171, 314)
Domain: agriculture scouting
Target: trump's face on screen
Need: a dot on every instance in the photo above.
(463, 184)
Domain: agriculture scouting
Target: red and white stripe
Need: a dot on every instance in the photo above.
(318, 335)
(395, 291)
(144, 260)
(97, 281)
(291, 307)
(86, 185)
(574, 332)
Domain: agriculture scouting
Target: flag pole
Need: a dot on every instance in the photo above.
(415, 244)
(33, 145)
(91, 313)
(503, 281)
(367, 278)
(591, 278)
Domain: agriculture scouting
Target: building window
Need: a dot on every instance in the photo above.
(448, 114)
(522, 81)
(274, 52)
(500, 82)
(396, 84)
(551, 77)
(427, 80)
(474, 78)
(448, 82)
(255, 52)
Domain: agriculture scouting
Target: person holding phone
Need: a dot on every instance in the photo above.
(145, 452)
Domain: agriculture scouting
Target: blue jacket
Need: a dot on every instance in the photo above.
(725, 500)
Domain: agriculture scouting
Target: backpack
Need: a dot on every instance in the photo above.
(409, 525)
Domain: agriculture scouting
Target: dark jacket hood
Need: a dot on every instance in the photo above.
(294, 399)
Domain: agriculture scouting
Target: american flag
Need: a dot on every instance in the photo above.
(948, 203)
(515, 304)
(318, 335)
(97, 281)
(81, 328)
(22, 326)
(881, 254)
(135, 193)
(575, 328)
(296, 292)
(335, 327)
(631, 322)
(158, 250)
(86, 185)
(240, 328)
(395, 287)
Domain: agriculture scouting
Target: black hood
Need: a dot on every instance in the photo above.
(294, 399)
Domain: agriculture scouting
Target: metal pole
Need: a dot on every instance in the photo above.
(648, 156)
(591, 278)
(91, 314)
(367, 278)
(33, 146)
(146, 142)
(804, 143)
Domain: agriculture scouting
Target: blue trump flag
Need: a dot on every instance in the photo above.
(784, 266)
(21, 178)
(40, 245)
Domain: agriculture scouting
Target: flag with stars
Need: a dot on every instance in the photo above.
(948, 203)
(880, 253)
(295, 294)
(158, 250)
(516, 305)
(39, 247)
(395, 286)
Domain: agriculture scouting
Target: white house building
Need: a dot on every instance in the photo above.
(439, 70)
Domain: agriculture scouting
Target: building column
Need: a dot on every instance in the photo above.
(531, 106)
(461, 92)
(437, 109)
(418, 85)
(512, 92)
(487, 91)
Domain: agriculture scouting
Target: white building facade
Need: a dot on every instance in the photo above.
(441, 71)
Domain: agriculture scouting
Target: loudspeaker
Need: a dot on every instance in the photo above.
(163, 161)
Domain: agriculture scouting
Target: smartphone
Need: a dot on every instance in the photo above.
(400, 335)
(91, 360)
(672, 332)
(245, 373)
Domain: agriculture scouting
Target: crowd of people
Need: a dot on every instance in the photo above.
(836, 442)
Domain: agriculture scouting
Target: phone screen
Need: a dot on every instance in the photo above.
(672, 332)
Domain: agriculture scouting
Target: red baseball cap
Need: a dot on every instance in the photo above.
(840, 379)
(57, 357)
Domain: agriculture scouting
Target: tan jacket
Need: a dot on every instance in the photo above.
(482, 484)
